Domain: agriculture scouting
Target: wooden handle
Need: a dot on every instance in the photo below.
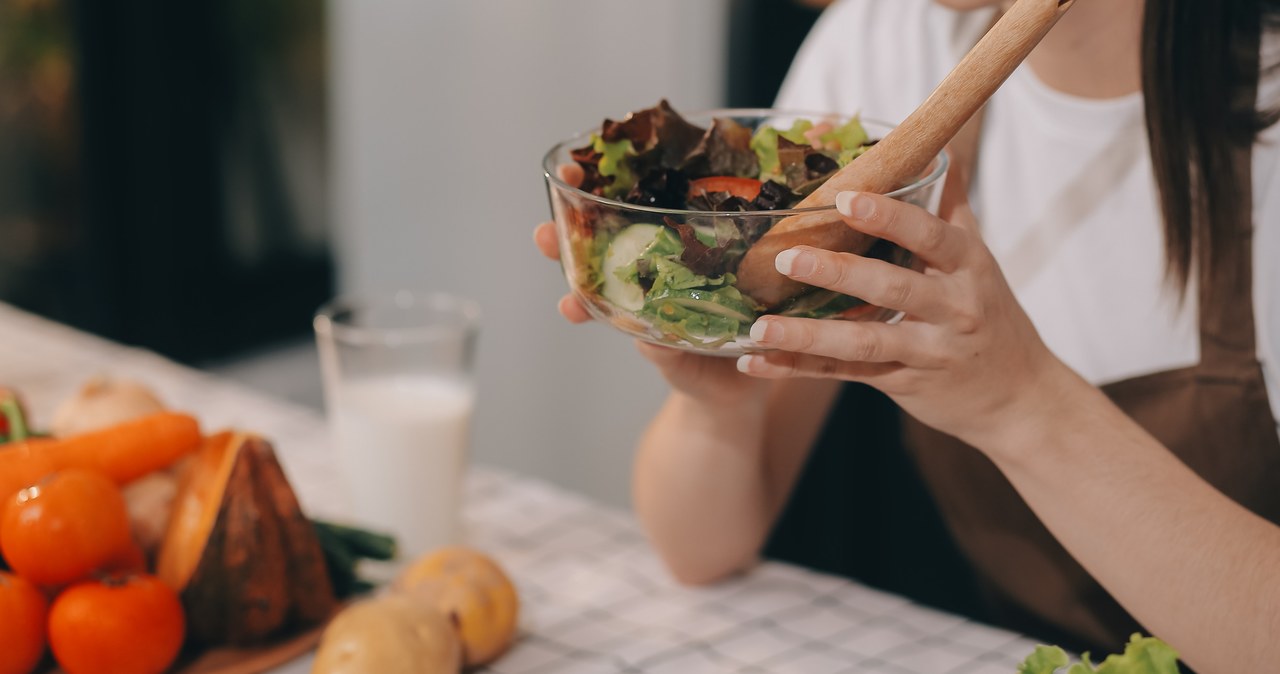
(906, 152)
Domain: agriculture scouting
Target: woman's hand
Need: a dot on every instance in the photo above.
(544, 236)
(965, 360)
(706, 379)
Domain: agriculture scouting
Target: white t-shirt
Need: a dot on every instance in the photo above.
(1099, 298)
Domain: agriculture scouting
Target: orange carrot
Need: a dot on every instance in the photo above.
(123, 453)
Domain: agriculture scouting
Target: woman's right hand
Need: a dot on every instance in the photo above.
(708, 379)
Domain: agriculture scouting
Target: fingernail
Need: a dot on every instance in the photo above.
(795, 263)
(765, 329)
(850, 205)
(745, 363)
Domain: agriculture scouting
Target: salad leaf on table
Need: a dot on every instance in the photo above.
(1142, 655)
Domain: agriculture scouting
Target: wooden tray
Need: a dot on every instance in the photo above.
(252, 660)
(255, 660)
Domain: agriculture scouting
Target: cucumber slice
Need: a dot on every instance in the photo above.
(708, 302)
(626, 248)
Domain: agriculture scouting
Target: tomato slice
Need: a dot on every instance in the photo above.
(745, 188)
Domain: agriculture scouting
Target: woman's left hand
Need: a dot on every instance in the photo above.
(966, 359)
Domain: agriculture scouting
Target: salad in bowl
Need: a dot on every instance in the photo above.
(655, 212)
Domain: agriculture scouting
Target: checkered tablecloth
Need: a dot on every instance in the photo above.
(596, 600)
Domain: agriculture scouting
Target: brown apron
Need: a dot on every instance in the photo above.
(1214, 416)
(945, 527)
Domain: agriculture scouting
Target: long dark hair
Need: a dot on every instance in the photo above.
(1201, 63)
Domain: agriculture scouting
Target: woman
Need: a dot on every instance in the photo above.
(1087, 443)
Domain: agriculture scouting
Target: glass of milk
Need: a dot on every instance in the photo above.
(399, 390)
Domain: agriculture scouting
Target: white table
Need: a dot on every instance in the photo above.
(596, 600)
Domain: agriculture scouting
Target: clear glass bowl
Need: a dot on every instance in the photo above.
(589, 225)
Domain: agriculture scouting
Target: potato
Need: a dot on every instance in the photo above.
(104, 402)
(475, 592)
(150, 500)
(389, 635)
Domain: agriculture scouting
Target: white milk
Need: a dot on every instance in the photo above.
(402, 446)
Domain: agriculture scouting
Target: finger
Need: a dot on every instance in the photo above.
(662, 356)
(571, 174)
(876, 282)
(683, 368)
(668, 359)
(573, 310)
(544, 236)
(842, 340)
(785, 365)
(934, 240)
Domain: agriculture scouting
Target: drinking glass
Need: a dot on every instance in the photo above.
(399, 392)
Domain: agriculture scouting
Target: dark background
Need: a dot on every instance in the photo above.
(764, 36)
(161, 162)
(147, 189)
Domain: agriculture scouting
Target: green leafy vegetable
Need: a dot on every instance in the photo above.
(847, 156)
(796, 133)
(1142, 655)
(666, 244)
(765, 144)
(693, 316)
(671, 275)
(851, 136)
(1045, 660)
(613, 164)
(344, 547)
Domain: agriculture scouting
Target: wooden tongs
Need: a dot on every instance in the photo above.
(905, 153)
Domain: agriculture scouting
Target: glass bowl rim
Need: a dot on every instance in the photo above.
(942, 164)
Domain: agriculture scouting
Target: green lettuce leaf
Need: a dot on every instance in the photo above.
(851, 136)
(847, 156)
(1142, 655)
(613, 164)
(1045, 660)
(672, 275)
(796, 133)
(699, 316)
(666, 244)
(765, 144)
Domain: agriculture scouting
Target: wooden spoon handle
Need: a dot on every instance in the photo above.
(906, 152)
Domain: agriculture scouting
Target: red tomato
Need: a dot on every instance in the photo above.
(64, 528)
(746, 188)
(23, 612)
(122, 625)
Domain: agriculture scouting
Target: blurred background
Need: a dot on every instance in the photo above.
(197, 178)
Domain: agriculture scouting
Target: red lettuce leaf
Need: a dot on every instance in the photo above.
(725, 150)
(700, 258)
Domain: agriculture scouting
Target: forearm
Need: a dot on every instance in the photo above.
(699, 486)
(1194, 567)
